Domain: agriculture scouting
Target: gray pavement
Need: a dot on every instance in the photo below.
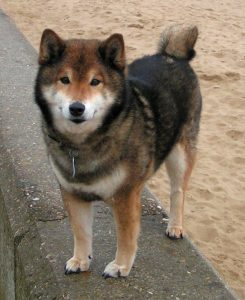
(35, 235)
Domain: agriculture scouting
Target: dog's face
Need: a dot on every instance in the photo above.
(79, 80)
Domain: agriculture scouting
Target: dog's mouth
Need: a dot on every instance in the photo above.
(81, 119)
(77, 120)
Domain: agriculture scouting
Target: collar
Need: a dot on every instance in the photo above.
(63, 143)
(73, 152)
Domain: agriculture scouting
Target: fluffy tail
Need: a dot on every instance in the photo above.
(178, 41)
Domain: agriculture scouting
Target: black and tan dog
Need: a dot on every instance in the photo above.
(108, 127)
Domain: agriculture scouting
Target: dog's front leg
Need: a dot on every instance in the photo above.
(81, 219)
(127, 211)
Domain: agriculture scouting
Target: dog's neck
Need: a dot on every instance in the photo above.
(60, 139)
(65, 145)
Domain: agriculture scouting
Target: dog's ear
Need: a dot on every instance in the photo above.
(51, 47)
(112, 50)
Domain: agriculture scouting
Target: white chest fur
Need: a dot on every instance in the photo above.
(104, 187)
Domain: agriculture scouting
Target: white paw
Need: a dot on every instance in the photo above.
(115, 270)
(174, 232)
(74, 265)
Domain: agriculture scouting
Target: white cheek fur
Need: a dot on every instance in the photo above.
(95, 109)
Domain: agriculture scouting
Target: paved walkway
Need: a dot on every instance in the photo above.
(35, 234)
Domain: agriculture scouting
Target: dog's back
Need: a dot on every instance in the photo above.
(170, 86)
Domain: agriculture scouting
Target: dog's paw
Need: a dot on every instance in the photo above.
(174, 232)
(75, 266)
(114, 270)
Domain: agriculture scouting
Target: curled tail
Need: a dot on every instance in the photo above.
(178, 41)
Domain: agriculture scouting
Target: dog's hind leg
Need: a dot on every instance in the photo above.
(81, 219)
(179, 164)
(126, 210)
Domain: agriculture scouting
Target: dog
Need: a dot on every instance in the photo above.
(109, 126)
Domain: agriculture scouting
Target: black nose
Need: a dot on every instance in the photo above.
(77, 109)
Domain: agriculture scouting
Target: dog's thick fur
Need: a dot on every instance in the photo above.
(128, 121)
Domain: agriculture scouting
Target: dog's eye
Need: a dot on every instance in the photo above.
(95, 82)
(65, 80)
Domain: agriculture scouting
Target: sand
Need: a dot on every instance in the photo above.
(214, 210)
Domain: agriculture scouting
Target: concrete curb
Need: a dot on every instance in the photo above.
(35, 238)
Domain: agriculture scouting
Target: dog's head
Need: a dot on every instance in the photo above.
(79, 81)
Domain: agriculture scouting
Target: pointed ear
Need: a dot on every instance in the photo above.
(51, 47)
(112, 51)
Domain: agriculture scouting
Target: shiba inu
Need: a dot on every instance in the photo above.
(108, 127)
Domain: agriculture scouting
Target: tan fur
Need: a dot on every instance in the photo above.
(127, 212)
(179, 164)
(177, 40)
(191, 154)
(81, 219)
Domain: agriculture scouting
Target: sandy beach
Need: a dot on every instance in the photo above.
(215, 202)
